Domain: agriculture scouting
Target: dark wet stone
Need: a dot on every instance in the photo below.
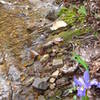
(52, 15)
(40, 83)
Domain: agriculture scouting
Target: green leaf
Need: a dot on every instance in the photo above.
(74, 97)
(82, 11)
(80, 60)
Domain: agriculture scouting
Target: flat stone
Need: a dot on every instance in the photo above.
(57, 62)
(55, 74)
(40, 83)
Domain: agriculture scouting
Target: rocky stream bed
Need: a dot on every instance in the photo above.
(35, 66)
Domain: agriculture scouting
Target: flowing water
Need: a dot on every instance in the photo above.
(15, 40)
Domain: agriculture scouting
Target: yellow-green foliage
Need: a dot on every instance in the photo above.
(72, 14)
(68, 15)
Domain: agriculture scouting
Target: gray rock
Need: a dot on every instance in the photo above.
(14, 73)
(40, 83)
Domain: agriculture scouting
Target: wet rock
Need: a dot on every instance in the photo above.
(52, 86)
(56, 73)
(52, 80)
(29, 81)
(44, 58)
(14, 73)
(52, 15)
(57, 62)
(34, 54)
(40, 83)
(41, 97)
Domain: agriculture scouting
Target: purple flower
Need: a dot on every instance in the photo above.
(84, 83)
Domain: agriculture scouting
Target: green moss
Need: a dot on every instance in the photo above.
(67, 35)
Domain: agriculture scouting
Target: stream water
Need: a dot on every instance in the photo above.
(16, 41)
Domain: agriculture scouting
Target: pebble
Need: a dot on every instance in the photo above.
(52, 86)
(52, 80)
(57, 62)
(55, 74)
(44, 58)
(40, 83)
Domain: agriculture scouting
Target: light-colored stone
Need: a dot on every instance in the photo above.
(44, 58)
(58, 24)
(57, 62)
(55, 74)
(52, 80)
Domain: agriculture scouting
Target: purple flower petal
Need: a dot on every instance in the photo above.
(98, 85)
(94, 82)
(86, 76)
(81, 92)
(77, 82)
